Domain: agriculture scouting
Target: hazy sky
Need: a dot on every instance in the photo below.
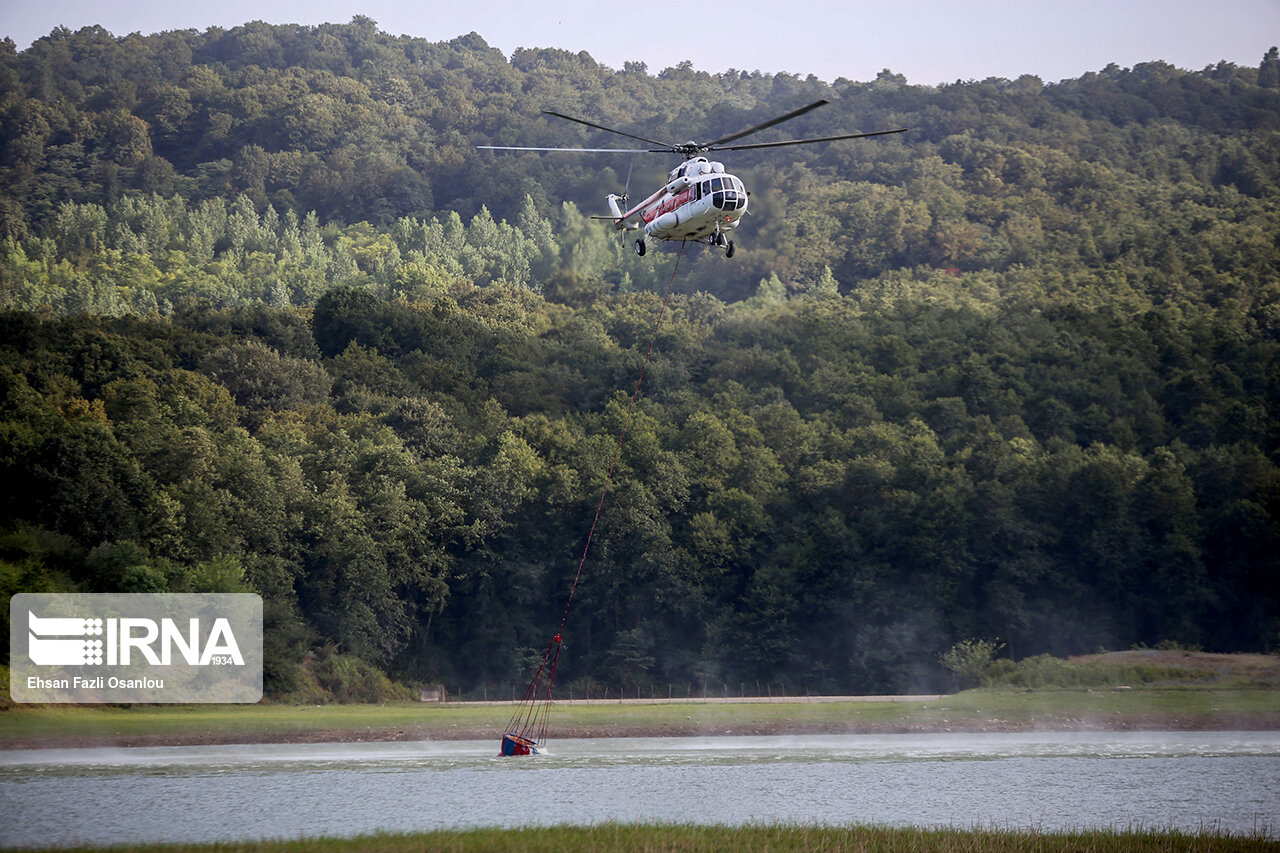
(929, 41)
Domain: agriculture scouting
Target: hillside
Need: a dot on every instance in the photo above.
(271, 322)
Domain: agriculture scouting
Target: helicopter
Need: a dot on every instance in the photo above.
(701, 202)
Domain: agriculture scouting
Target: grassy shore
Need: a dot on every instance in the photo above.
(974, 710)
(1216, 692)
(646, 838)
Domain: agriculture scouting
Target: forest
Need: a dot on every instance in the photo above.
(270, 322)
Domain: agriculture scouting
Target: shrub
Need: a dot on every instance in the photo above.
(331, 676)
(970, 660)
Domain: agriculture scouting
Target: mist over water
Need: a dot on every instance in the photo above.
(1205, 780)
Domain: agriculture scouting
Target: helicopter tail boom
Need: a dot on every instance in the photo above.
(615, 205)
(621, 216)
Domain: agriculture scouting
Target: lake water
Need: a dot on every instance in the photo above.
(1228, 781)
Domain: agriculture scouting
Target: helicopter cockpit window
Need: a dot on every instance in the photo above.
(726, 193)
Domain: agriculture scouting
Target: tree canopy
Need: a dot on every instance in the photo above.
(271, 322)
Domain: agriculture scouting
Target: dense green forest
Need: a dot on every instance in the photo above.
(270, 322)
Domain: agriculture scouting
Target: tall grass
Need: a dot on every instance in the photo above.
(775, 838)
(1048, 671)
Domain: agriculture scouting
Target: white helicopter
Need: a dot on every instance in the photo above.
(701, 202)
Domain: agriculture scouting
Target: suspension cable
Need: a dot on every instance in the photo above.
(626, 425)
(529, 722)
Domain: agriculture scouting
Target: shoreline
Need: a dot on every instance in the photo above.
(1151, 721)
(1247, 700)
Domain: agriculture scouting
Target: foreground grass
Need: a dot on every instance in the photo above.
(970, 710)
(645, 838)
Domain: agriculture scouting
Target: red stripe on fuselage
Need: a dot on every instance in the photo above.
(668, 205)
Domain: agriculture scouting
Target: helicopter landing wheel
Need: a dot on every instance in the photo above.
(640, 247)
(728, 253)
(718, 240)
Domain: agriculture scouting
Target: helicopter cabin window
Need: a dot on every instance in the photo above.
(727, 193)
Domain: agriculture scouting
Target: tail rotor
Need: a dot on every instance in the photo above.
(626, 190)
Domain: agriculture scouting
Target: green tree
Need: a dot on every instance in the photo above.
(970, 660)
(1269, 70)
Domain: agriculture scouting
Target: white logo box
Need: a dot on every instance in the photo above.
(135, 647)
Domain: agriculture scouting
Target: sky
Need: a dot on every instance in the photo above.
(928, 41)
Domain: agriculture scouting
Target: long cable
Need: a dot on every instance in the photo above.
(626, 425)
(530, 718)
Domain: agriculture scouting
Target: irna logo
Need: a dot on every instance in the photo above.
(135, 647)
(73, 641)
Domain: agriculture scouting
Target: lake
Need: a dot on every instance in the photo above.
(1227, 781)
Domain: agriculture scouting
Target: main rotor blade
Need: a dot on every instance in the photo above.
(575, 150)
(770, 123)
(804, 141)
(666, 146)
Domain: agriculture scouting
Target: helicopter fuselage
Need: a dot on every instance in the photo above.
(700, 203)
